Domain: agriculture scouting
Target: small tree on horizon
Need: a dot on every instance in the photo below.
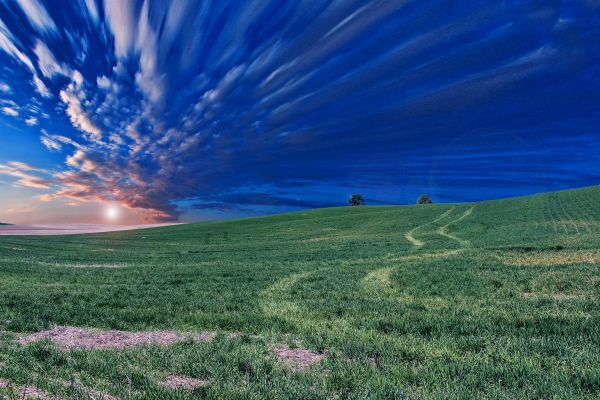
(356, 200)
(424, 199)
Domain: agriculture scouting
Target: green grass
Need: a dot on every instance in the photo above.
(494, 300)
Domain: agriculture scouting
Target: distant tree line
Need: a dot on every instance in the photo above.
(359, 200)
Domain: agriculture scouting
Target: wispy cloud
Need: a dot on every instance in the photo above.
(25, 175)
(10, 111)
(9, 46)
(31, 121)
(5, 88)
(38, 16)
(47, 63)
(120, 16)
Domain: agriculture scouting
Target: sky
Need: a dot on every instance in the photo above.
(185, 110)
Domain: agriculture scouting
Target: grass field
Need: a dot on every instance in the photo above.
(496, 299)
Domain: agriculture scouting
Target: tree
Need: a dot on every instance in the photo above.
(424, 199)
(356, 200)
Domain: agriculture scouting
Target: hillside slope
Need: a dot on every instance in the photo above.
(495, 299)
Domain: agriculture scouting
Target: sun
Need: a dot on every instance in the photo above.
(112, 213)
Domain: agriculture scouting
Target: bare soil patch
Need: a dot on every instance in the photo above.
(68, 338)
(297, 358)
(176, 382)
(25, 392)
(30, 392)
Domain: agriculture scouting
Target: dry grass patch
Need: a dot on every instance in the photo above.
(298, 359)
(68, 338)
(176, 382)
(553, 296)
(564, 257)
(330, 237)
(95, 265)
(89, 392)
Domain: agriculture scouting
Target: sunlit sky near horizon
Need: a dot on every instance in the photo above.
(149, 111)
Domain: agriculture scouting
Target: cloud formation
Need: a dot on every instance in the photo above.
(25, 175)
(238, 105)
(37, 16)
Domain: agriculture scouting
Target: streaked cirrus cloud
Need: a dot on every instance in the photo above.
(188, 106)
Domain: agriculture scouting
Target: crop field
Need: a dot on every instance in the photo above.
(495, 300)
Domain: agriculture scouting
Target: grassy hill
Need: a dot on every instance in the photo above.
(496, 299)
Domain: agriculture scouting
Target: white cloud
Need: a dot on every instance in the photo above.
(31, 121)
(9, 46)
(10, 111)
(50, 143)
(121, 19)
(5, 88)
(47, 63)
(40, 86)
(103, 82)
(73, 96)
(77, 78)
(38, 16)
(93, 10)
(7, 43)
(23, 174)
(55, 142)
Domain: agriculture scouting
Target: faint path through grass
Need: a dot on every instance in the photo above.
(410, 234)
(444, 229)
(378, 283)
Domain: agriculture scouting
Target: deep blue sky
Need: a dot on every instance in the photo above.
(203, 109)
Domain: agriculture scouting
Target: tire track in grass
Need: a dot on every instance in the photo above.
(410, 234)
(378, 283)
(584, 217)
(444, 229)
(551, 214)
(589, 206)
(569, 219)
(556, 212)
(273, 303)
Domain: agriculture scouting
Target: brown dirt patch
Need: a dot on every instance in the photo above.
(176, 382)
(68, 338)
(297, 358)
(29, 392)
(25, 392)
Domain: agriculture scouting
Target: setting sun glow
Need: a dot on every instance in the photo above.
(112, 213)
